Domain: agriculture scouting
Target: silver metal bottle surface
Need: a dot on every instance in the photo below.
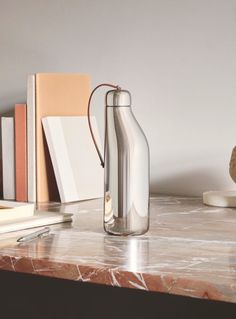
(126, 198)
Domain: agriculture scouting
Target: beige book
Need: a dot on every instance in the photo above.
(56, 95)
(78, 172)
(38, 219)
(10, 210)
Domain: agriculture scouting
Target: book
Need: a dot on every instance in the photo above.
(55, 95)
(38, 219)
(31, 138)
(10, 210)
(8, 158)
(20, 153)
(78, 172)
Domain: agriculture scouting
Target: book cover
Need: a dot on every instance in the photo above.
(10, 210)
(38, 219)
(21, 153)
(76, 165)
(8, 158)
(55, 95)
(31, 138)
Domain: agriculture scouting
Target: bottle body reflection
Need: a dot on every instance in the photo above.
(126, 198)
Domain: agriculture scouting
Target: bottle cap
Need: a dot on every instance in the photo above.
(118, 98)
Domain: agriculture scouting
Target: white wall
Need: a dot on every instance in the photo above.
(177, 57)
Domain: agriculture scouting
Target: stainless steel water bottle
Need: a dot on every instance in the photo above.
(126, 165)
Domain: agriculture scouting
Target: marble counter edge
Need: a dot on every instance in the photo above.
(114, 276)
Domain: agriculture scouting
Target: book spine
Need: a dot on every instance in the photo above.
(21, 153)
(8, 158)
(31, 146)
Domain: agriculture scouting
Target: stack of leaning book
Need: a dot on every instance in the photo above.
(27, 170)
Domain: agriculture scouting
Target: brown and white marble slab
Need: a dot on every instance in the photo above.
(189, 250)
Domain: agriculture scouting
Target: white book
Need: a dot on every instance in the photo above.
(37, 220)
(31, 138)
(77, 168)
(8, 158)
(10, 210)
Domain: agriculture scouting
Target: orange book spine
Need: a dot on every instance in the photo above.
(21, 152)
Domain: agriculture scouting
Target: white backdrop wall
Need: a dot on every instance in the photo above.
(177, 57)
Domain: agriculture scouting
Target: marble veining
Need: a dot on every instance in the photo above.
(189, 250)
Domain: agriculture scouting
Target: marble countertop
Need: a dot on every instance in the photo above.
(189, 250)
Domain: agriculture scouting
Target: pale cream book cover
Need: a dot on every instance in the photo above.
(76, 165)
(8, 158)
(11, 210)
